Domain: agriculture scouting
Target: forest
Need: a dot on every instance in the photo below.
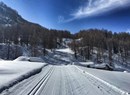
(92, 44)
(103, 44)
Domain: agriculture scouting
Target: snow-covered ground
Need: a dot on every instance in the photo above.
(12, 72)
(115, 80)
(66, 79)
(86, 63)
(30, 59)
(66, 50)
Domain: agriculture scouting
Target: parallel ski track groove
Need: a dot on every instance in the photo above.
(36, 88)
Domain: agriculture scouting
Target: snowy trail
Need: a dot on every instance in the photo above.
(37, 88)
(101, 84)
(60, 80)
(28, 85)
(120, 80)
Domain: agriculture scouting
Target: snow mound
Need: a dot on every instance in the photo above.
(86, 63)
(12, 72)
(103, 66)
(31, 59)
(100, 66)
(22, 58)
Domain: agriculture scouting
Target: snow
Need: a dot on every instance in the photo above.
(31, 59)
(22, 58)
(64, 80)
(116, 89)
(12, 72)
(67, 79)
(67, 40)
(66, 50)
(117, 79)
(102, 65)
(86, 63)
(1, 59)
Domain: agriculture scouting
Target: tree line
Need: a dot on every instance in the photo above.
(102, 45)
(33, 36)
(92, 44)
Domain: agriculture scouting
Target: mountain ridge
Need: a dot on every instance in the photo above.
(10, 17)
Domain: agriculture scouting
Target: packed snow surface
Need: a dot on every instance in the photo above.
(63, 80)
(119, 79)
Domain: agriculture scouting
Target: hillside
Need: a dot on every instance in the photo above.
(15, 30)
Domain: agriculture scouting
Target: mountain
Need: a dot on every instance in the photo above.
(8, 16)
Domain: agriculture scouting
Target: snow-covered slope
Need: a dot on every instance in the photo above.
(30, 59)
(61, 57)
(12, 72)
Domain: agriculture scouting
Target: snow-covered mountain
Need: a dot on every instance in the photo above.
(8, 16)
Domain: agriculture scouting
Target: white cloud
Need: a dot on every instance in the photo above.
(61, 19)
(96, 7)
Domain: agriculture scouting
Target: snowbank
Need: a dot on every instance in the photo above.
(12, 72)
(22, 58)
(86, 63)
(104, 66)
(31, 59)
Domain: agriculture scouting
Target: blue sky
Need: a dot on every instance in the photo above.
(75, 15)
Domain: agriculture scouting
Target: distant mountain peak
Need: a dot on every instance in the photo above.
(9, 16)
(2, 3)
